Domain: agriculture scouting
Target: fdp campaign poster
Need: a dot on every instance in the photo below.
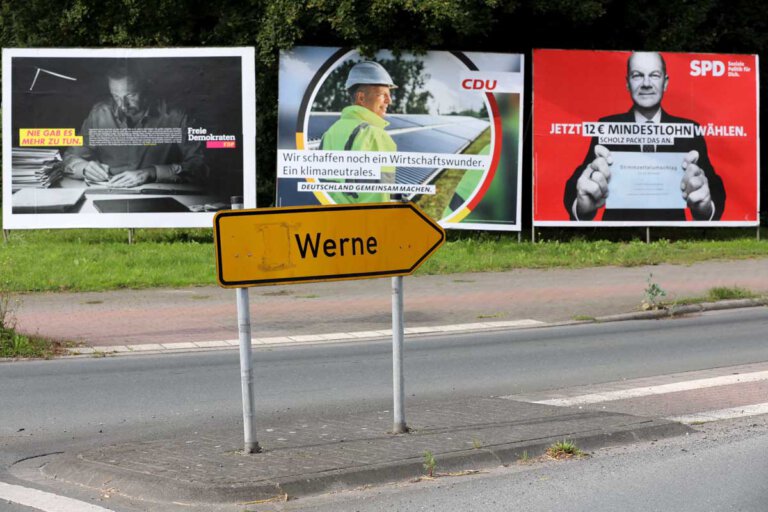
(126, 137)
(645, 138)
(442, 129)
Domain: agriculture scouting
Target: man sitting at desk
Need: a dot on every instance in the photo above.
(132, 162)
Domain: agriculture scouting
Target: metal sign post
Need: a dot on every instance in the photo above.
(398, 336)
(246, 360)
(321, 243)
(398, 377)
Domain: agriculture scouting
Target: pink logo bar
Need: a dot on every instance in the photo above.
(220, 144)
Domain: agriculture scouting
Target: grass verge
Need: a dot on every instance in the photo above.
(97, 260)
(729, 293)
(504, 253)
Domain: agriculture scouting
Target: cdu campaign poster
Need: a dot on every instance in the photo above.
(100, 138)
(645, 139)
(440, 129)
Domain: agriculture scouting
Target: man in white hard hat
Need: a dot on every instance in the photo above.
(361, 126)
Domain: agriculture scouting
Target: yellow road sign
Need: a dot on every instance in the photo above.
(322, 243)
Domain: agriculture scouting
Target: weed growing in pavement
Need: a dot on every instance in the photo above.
(476, 443)
(565, 450)
(494, 315)
(16, 345)
(524, 458)
(429, 463)
(19, 343)
(653, 295)
(719, 293)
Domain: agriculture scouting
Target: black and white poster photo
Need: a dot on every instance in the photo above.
(126, 137)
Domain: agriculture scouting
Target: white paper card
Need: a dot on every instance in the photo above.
(645, 181)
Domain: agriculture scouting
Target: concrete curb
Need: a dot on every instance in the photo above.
(411, 332)
(685, 309)
(305, 339)
(346, 337)
(74, 470)
(478, 459)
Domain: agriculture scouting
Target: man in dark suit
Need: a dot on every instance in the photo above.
(701, 188)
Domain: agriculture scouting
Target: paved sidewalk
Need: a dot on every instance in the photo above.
(315, 454)
(208, 315)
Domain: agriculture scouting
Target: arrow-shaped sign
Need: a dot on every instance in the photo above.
(322, 243)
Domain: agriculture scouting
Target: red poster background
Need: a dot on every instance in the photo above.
(575, 86)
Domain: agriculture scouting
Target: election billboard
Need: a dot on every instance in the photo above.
(645, 138)
(440, 129)
(97, 138)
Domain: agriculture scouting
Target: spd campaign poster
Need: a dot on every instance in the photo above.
(442, 129)
(645, 139)
(102, 138)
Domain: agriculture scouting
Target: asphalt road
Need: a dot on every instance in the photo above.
(66, 405)
(7, 506)
(77, 399)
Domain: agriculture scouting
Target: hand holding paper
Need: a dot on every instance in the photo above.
(592, 186)
(695, 187)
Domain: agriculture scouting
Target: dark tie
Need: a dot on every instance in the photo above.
(648, 148)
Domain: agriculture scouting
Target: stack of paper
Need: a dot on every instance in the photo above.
(50, 200)
(35, 168)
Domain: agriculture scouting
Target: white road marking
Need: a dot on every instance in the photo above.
(624, 394)
(45, 501)
(722, 414)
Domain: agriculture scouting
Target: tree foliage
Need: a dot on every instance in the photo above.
(732, 26)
